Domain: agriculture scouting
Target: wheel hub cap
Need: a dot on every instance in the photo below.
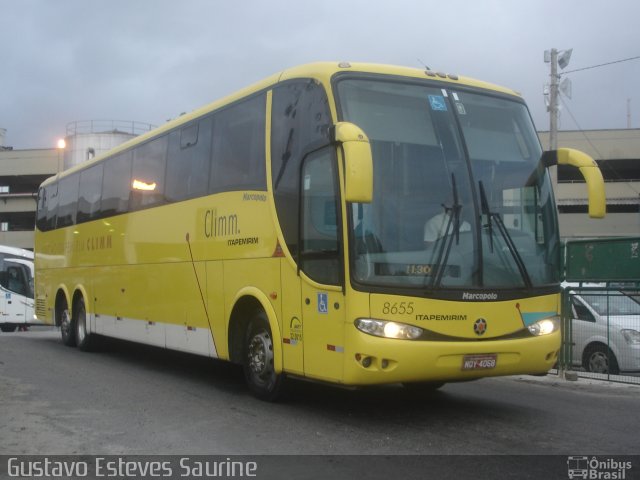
(260, 354)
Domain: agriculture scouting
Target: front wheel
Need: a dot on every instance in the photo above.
(258, 364)
(600, 359)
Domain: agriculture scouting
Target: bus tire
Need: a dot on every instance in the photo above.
(258, 365)
(8, 328)
(67, 327)
(84, 339)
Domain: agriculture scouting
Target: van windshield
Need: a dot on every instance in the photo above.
(615, 303)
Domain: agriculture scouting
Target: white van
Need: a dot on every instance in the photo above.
(606, 331)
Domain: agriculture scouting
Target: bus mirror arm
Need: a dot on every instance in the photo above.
(358, 161)
(589, 170)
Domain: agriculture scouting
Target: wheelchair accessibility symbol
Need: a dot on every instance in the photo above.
(323, 303)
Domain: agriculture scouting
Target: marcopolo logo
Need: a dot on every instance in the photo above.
(479, 296)
(597, 468)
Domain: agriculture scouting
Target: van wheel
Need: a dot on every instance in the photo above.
(67, 327)
(259, 371)
(600, 359)
(7, 328)
(84, 340)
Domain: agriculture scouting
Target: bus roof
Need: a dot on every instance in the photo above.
(322, 71)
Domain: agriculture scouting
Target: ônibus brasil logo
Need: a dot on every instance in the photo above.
(597, 469)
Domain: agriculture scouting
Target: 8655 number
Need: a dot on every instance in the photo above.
(397, 308)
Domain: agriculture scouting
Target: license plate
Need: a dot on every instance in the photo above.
(479, 362)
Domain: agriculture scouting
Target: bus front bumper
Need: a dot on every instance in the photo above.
(376, 360)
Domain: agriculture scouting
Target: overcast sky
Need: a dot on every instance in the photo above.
(150, 60)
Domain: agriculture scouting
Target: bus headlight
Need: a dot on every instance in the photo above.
(544, 327)
(380, 328)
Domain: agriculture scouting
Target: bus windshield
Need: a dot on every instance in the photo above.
(461, 199)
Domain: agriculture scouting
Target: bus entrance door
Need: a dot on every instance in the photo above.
(323, 321)
(321, 268)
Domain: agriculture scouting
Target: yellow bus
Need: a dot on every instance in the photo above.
(354, 224)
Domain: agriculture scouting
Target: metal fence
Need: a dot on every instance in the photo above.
(601, 332)
(108, 126)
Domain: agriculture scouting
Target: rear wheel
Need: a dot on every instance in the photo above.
(258, 364)
(8, 328)
(600, 359)
(84, 339)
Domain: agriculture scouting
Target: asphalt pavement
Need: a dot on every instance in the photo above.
(132, 399)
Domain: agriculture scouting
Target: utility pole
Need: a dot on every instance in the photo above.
(556, 59)
(553, 101)
(628, 113)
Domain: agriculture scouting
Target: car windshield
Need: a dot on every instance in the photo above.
(460, 196)
(614, 303)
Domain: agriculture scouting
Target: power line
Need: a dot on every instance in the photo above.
(601, 65)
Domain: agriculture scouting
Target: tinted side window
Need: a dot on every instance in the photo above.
(52, 206)
(188, 160)
(47, 207)
(238, 157)
(116, 185)
(300, 117)
(90, 193)
(189, 135)
(41, 213)
(320, 250)
(149, 164)
(68, 200)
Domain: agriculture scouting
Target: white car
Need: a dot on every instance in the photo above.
(606, 331)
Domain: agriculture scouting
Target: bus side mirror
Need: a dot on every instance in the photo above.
(589, 170)
(357, 160)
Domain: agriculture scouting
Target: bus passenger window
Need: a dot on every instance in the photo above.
(68, 201)
(90, 193)
(188, 160)
(116, 185)
(300, 117)
(16, 282)
(47, 207)
(238, 158)
(147, 180)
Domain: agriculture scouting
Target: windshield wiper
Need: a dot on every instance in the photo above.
(484, 204)
(445, 247)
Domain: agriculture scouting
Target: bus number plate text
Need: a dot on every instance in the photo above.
(479, 362)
